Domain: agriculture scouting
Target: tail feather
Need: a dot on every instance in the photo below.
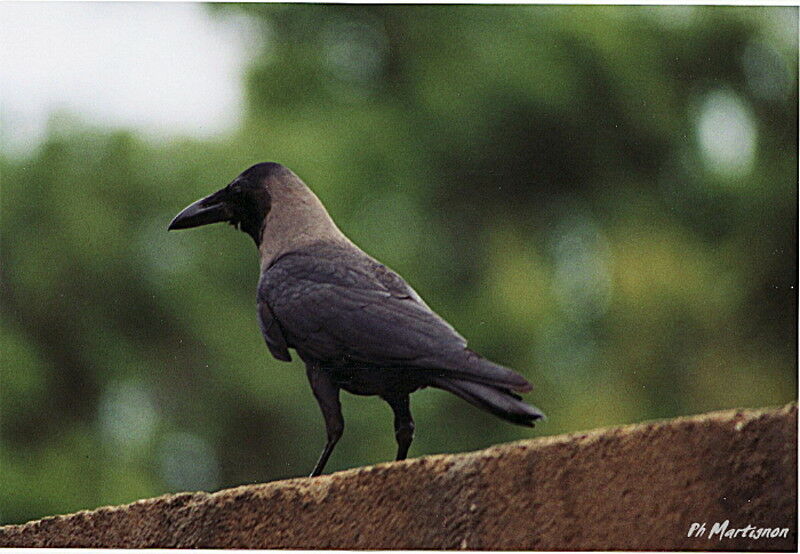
(470, 366)
(494, 399)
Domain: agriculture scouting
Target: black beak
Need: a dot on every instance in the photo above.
(211, 209)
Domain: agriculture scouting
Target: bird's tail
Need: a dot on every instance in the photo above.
(494, 399)
(467, 365)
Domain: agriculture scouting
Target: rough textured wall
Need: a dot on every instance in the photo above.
(638, 487)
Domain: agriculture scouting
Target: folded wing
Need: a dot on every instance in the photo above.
(340, 305)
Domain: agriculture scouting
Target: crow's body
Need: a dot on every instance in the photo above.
(341, 309)
(356, 324)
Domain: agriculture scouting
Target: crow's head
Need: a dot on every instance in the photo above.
(244, 203)
(272, 205)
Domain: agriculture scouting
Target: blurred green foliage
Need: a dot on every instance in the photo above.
(604, 198)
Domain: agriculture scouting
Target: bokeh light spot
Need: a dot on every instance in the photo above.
(727, 134)
(127, 415)
(355, 56)
(582, 278)
(188, 463)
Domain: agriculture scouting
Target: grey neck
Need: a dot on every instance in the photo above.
(297, 218)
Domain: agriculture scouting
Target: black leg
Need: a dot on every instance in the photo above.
(327, 395)
(403, 423)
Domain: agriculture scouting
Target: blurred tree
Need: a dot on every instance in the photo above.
(604, 198)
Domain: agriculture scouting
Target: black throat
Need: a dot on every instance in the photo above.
(251, 213)
(254, 200)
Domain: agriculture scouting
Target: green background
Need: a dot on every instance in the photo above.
(603, 198)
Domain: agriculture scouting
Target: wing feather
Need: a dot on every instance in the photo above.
(272, 333)
(337, 309)
(340, 306)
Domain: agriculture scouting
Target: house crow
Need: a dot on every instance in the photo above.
(356, 324)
